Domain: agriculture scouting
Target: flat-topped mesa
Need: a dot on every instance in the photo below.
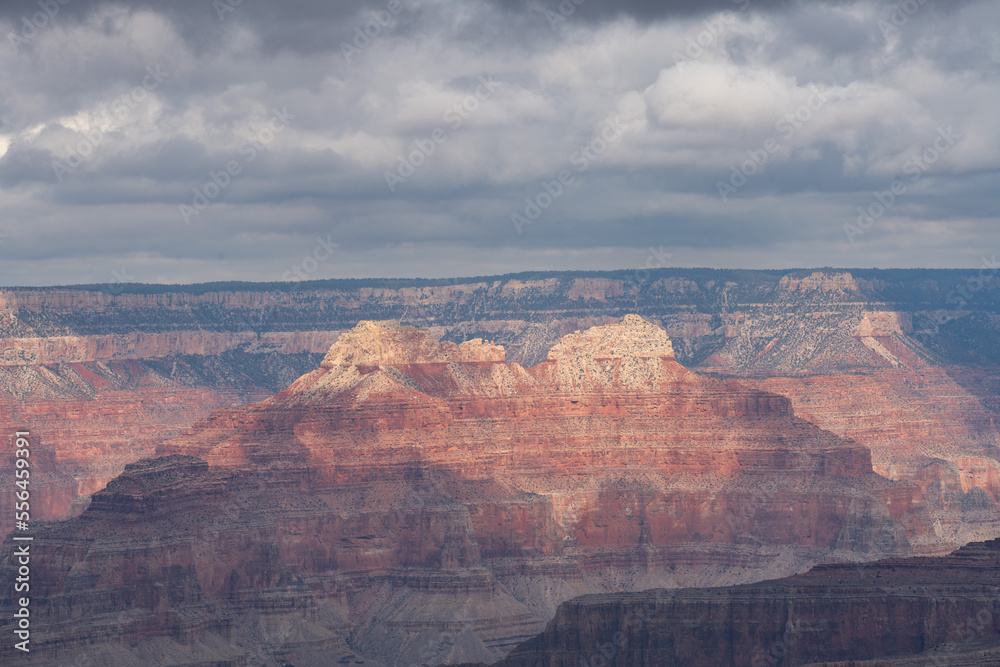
(374, 343)
(916, 611)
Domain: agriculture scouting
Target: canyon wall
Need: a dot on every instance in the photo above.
(903, 362)
(140, 345)
(90, 418)
(900, 369)
(409, 487)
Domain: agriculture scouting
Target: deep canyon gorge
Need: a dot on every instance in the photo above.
(422, 472)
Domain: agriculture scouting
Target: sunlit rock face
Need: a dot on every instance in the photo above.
(388, 343)
(409, 488)
(884, 358)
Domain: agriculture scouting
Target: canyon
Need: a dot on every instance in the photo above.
(907, 339)
(424, 486)
(408, 485)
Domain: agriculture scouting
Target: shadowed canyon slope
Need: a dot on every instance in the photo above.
(890, 613)
(414, 500)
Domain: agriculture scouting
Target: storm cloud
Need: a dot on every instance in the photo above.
(223, 139)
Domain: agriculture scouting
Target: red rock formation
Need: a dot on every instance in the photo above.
(408, 485)
(91, 418)
(921, 426)
(912, 411)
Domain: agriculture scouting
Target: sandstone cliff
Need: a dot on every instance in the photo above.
(91, 418)
(412, 500)
(886, 342)
(897, 361)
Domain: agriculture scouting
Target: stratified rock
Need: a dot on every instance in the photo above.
(89, 419)
(905, 612)
(409, 488)
(896, 360)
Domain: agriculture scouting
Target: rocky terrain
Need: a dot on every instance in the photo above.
(896, 612)
(92, 415)
(412, 500)
(903, 361)
(537, 454)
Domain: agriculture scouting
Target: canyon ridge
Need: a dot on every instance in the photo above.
(428, 496)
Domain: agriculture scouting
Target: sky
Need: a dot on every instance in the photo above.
(204, 140)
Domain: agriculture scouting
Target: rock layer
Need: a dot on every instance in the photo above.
(89, 419)
(409, 489)
(889, 359)
(913, 611)
(905, 331)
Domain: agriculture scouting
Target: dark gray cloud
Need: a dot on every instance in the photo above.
(643, 10)
(307, 26)
(24, 165)
(653, 10)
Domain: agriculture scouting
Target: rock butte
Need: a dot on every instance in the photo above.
(880, 357)
(415, 500)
